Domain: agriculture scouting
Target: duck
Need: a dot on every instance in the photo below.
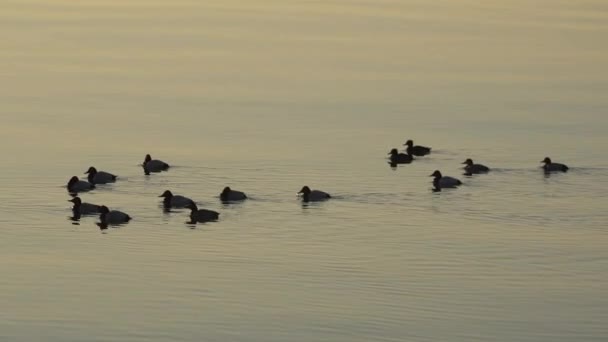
(400, 158)
(76, 185)
(174, 201)
(313, 195)
(416, 150)
(154, 165)
(472, 168)
(550, 166)
(228, 195)
(100, 177)
(108, 216)
(441, 181)
(201, 215)
(83, 208)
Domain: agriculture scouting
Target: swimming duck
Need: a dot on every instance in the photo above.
(201, 215)
(108, 216)
(83, 208)
(77, 185)
(228, 195)
(174, 201)
(100, 177)
(416, 150)
(472, 168)
(549, 166)
(441, 181)
(400, 158)
(313, 195)
(154, 165)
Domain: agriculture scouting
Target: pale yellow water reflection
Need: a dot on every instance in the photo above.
(268, 96)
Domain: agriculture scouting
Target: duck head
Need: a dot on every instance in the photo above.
(91, 170)
(469, 161)
(166, 194)
(436, 174)
(76, 200)
(73, 181)
(547, 160)
(305, 190)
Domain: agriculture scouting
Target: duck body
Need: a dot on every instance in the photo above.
(550, 166)
(174, 201)
(154, 165)
(229, 195)
(472, 168)
(309, 195)
(100, 177)
(108, 216)
(76, 185)
(202, 215)
(416, 150)
(441, 182)
(400, 158)
(84, 208)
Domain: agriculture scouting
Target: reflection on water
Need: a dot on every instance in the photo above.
(267, 96)
(75, 218)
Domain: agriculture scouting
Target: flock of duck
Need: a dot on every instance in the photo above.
(114, 217)
(440, 181)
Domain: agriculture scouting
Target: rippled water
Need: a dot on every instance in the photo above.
(267, 96)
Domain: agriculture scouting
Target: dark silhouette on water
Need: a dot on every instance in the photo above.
(75, 218)
(550, 166)
(83, 208)
(174, 201)
(100, 177)
(309, 195)
(441, 182)
(416, 150)
(229, 195)
(146, 171)
(115, 217)
(112, 217)
(76, 185)
(201, 215)
(154, 165)
(472, 168)
(102, 226)
(400, 158)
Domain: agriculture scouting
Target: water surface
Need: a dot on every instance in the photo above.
(267, 96)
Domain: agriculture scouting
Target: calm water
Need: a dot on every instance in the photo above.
(267, 96)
